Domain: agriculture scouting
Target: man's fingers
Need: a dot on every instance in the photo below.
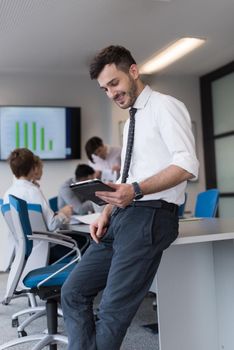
(94, 238)
(97, 232)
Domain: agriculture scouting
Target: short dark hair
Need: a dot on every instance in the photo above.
(21, 161)
(83, 171)
(92, 145)
(118, 55)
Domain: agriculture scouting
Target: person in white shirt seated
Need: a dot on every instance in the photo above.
(79, 205)
(27, 171)
(105, 159)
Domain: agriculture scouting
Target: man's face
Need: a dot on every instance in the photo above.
(119, 86)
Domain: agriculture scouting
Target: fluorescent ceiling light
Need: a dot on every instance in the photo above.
(172, 53)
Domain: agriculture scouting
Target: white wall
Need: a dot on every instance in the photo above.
(99, 117)
(18, 89)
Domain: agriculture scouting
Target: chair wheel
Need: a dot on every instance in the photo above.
(15, 322)
(22, 334)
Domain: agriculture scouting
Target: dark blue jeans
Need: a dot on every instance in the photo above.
(123, 264)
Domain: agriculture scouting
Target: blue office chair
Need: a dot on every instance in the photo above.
(42, 251)
(207, 203)
(53, 202)
(1, 201)
(18, 261)
(44, 277)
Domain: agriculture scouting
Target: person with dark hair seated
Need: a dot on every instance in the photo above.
(27, 169)
(67, 196)
(105, 159)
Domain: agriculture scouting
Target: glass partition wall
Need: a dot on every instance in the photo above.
(217, 100)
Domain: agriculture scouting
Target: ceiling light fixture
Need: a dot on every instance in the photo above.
(171, 54)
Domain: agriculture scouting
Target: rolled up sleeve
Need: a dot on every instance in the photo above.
(176, 130)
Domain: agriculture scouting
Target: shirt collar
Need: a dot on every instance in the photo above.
(143, 98)
(22, 181)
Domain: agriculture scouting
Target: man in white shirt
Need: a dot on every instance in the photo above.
(105, 159)
(141, 219)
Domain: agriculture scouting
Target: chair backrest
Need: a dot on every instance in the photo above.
(11, 238)
(18, 263)
(36, 255)
(20, 219)
(5, 209)
(53, 202)
(182, 206)
(36, 218)
(207, 203)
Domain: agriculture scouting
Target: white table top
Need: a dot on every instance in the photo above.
(194, 231)
(205, 230)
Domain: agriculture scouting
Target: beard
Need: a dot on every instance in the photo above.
(130, 94)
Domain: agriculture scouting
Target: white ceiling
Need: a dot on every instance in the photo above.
(61, 36)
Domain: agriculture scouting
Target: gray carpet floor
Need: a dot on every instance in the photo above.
(137, 337)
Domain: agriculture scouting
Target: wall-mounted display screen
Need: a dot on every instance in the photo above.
(49, 132)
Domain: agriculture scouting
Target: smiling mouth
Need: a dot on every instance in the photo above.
(119, 98)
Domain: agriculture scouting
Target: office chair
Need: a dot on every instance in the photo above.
(1, 201)
(37, 223)
(207, 203)
(53, 202)
(18, 259)
(45, 281)
(35, 255)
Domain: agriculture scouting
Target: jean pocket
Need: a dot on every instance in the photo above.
(149, 214)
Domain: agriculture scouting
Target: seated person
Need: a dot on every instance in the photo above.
(105, 159)
(80, 206)
(27, 169)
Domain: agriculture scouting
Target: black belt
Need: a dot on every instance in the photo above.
(156, 204)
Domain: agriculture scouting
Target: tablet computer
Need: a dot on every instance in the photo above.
(88, 188)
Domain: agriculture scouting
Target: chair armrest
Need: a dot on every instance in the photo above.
(69, 244)
(54, 234)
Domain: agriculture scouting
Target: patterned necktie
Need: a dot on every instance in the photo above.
(128, 154)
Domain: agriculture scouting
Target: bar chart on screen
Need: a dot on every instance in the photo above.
(42, 130)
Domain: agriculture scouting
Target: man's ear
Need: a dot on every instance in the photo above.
(133, 71)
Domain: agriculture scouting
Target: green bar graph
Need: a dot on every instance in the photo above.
(26, 135)
(42, 132)
(50, 145)
(30, 135)
(17, 135)
(34, 136)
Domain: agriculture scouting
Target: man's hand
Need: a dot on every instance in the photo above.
(116, 167)
(121, 197)
(66, 210)
(99, 227)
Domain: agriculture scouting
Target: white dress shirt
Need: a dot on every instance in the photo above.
(113, 157)
(31, 193)
(163, 137)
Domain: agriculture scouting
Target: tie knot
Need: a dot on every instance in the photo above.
(132, 112)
